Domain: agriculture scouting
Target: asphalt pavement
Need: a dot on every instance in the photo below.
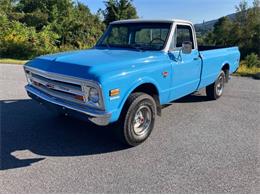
(197, 146)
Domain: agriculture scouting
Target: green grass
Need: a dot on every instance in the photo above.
(12, 61)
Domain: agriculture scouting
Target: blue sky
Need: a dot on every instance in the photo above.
(194, 10)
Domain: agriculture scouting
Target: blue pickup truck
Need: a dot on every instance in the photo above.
(136, 67)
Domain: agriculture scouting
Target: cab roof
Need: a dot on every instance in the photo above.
(151, 20)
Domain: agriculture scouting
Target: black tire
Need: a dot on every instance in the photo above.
(216, 89)
(127, 126)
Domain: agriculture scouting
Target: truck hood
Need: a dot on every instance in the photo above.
(92, 63)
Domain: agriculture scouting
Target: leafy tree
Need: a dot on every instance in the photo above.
(81, 29)
(22, 42)
(246, 28)
(29, 28)
(222, 31)
(118, 10)
(243, 31)
(208, 39)
(5, 6)
(252, 60)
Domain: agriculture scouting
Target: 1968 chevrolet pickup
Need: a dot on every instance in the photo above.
(135, 67)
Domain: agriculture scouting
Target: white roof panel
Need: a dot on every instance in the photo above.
(151, 20)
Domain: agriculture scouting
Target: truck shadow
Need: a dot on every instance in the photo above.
(30, 129)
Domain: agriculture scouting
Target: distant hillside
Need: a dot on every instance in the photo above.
(208, 25)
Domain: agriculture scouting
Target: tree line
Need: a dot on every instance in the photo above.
(242, 31)
(29, 28)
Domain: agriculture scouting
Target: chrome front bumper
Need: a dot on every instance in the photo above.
(98, 117)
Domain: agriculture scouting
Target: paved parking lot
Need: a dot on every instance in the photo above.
(198, 146)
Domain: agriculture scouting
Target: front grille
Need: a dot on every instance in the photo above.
(58, 86)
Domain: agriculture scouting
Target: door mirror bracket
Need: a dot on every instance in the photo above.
(175, 58)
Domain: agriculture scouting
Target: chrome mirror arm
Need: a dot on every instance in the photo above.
(173, 57)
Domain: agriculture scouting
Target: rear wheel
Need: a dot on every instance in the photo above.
(215, 90)
(137, 121)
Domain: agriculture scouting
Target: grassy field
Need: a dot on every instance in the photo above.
(245, 71)
(12, 61)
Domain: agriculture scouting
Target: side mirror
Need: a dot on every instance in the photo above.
(186, 47)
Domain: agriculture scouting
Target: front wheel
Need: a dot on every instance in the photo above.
(216, 89)
(137, 121)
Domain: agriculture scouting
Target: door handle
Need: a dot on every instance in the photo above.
(196, 58)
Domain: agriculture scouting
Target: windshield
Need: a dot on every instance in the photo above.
(140, 36)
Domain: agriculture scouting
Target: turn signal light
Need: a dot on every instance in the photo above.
(79, 97)
(114, 92)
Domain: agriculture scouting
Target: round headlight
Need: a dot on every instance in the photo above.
(93, 95)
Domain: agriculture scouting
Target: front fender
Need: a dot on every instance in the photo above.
(137, 83)
(145, 80)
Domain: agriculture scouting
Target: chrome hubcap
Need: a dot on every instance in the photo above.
(220, 85)
(142, 120)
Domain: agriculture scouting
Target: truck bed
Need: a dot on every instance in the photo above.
(214, 58)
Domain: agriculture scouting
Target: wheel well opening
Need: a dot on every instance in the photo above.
(225, 68)
(151, 90)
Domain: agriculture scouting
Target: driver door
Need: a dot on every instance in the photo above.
(186, 68)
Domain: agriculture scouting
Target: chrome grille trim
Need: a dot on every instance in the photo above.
(58, 86)
(59, 95)
(98, 117)
(63, 85)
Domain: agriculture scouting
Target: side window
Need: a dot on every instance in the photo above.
(182, 33)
